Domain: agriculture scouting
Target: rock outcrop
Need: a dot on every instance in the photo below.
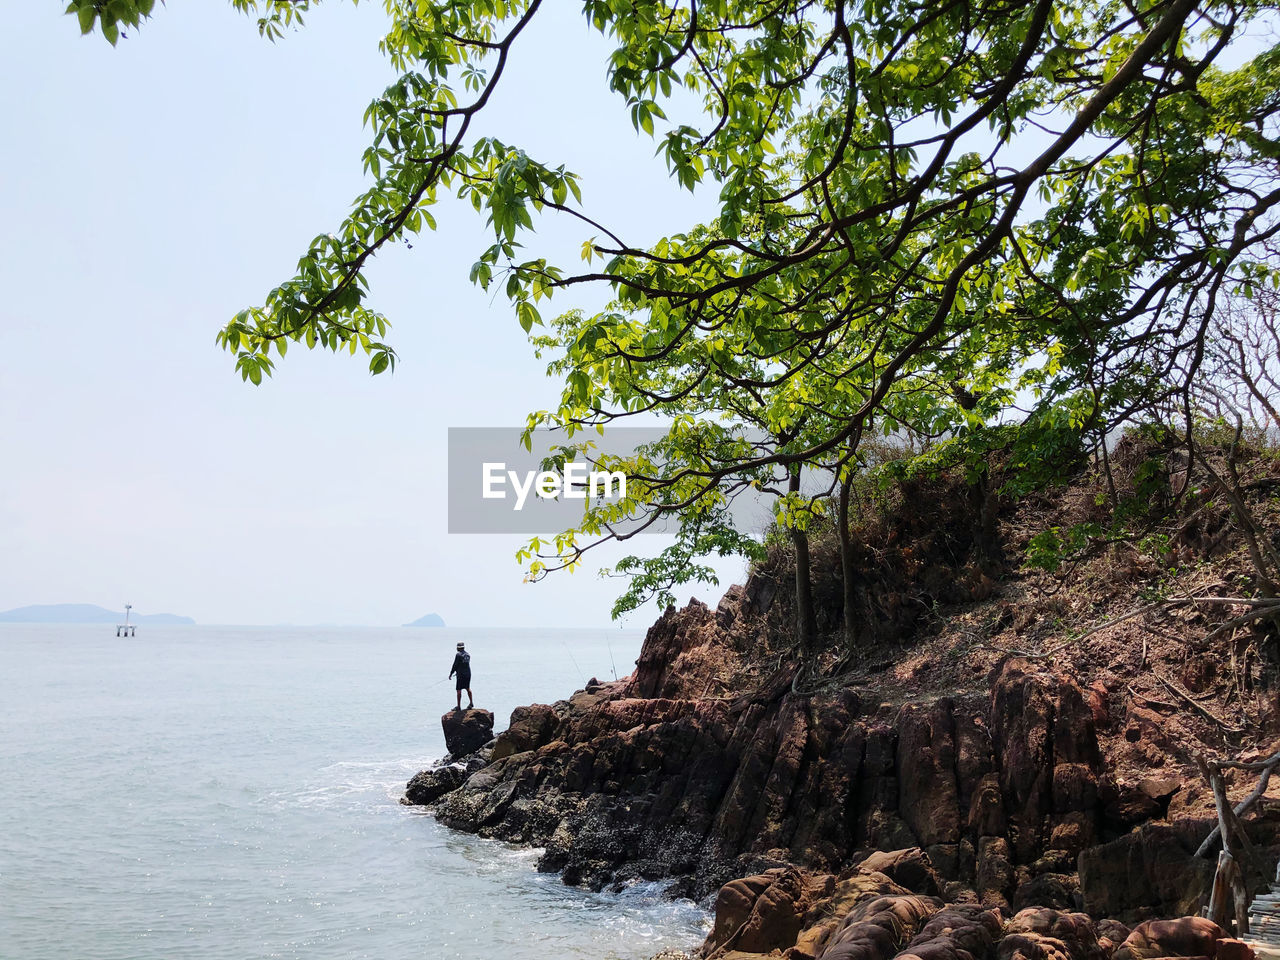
(466, 731)
(994, 802)
(428, 786)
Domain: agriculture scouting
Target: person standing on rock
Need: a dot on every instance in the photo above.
(462, 667)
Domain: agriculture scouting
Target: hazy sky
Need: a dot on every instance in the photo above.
(149, 192)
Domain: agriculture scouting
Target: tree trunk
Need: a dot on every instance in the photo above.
(806, 621)
(847, 571)
(986, 536)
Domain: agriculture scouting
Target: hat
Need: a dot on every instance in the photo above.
(461, 644)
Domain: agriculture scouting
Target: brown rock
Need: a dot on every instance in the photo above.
(1183, 937)
(928, 798)
(1075, 787)
(729, 606)
(1030, 946)
(1098, 698)
(986, 810)
(531, 727)
(1072, 832)
(879, 928)
(908, 868)
(994, 872)
(734, 903)
(1143, 871)
(466, 731)
(1112, 930)
(826, 916)
(765, 912)
(1072, 932)
(682, 653)
(1232, 949)
(954, 933)
(1040, 722)
(1054, 890)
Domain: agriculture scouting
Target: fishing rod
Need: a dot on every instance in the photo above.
(575, 662)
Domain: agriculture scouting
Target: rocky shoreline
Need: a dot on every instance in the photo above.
(970, 826)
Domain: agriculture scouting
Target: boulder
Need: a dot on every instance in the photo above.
(1072, 932)
(1232, 949)
(1143, 871)
(1113, 931)
(767, 911)
(1053, 890)
(879, 928)
(994, 871)
(907, 868)
(1183, 937)
(957, 932)
(466, 731)
(530, 728)
(428, 786)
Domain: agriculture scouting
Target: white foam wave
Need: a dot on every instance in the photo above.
(349, 782)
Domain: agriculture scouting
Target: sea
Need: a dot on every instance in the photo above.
(232, 793)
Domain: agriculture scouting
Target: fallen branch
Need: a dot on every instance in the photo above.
(1146, 608)
(1011, 651)
(1267, 767)
(1186, 697)
(1265, 606)
(1260, 610)
(1157, 703)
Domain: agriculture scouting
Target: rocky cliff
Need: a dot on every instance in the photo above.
(1007, 795)
(1023, 746)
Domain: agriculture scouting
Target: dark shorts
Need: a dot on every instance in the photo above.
(464, 681)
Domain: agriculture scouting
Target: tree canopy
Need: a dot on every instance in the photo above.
(933, 217)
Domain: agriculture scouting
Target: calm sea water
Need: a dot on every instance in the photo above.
(213, 793)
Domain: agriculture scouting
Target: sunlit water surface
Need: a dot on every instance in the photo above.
(213, 792)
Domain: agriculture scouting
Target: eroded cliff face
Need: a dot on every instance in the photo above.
(1000, 799)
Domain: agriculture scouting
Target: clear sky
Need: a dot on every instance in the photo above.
(150, 191)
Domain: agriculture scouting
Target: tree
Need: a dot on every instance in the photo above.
(112, 17)
(1235, 392)
(935, 208)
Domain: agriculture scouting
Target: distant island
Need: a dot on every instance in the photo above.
(430, 620)
(84, 613)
